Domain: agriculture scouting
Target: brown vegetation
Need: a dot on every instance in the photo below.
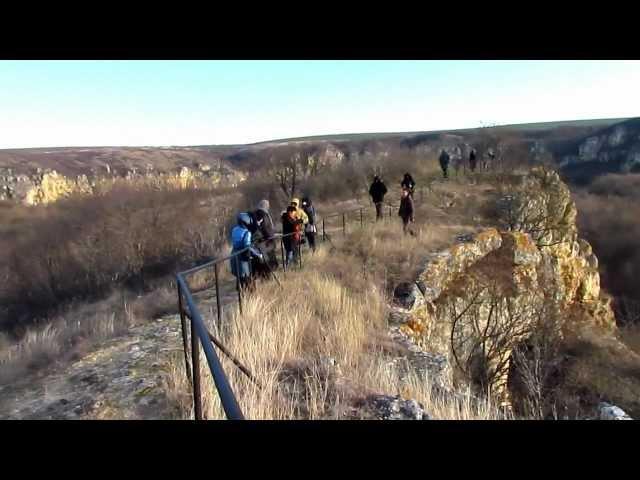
(608, 217)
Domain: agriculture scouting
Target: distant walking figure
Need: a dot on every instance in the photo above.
(488, 159)
(472, 161)
(292, 233)
(406, 211)
(444, 163)
(408, 183)
(310, 228)
(378, 190)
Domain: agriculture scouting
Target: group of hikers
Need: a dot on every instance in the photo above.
(378, 190)
(254, 235)
(445, 159)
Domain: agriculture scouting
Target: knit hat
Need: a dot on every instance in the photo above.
(263, 205)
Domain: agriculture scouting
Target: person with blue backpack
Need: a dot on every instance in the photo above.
(241, 240)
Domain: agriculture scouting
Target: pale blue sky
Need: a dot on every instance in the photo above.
(135, 103)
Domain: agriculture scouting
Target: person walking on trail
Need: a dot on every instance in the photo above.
(241, 240)
(444, 163)
(264, 237)
(408, 183)
(472, 160)
(291, 233)
(377, 191)
(299, 211)
(406, 211)
(310, 229)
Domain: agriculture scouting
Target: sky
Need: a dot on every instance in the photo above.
(162, 103)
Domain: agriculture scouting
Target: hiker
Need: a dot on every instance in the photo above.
(408, 183)
(300, 215)
(299, 211)
(378, 190)
(291, 233)
(489, 161)
(310, 229)
(264, 237)
(444, 163)
(240, 240)
(406, 211)
(472, 160)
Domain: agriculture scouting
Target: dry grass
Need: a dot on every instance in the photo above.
(79, 329)
(334, 308)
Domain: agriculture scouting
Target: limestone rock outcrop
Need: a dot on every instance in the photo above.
(46, 186)
(483, 295)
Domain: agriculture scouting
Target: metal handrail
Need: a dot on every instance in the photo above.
(201, 336)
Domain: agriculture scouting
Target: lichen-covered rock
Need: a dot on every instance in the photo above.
(396, 408)
(484, 294)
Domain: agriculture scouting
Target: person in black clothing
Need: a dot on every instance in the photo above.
(472, 160)
(378, 190)
(444, 163)
(406, 211)
(310, 229)
(264, 238)
(408, 183)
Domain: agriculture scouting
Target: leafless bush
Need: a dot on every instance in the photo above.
(534, 371)
(82, 248)
(610, 223)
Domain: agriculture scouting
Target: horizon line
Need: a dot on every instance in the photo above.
(321, 136)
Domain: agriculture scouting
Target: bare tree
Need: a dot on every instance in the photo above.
(485, 328)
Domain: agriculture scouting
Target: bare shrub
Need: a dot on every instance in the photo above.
(610, 223)
(82, 248)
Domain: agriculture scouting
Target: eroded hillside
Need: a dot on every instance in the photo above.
(379, 324)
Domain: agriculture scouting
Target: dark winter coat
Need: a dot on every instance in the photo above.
(377, 190)
(408, 183)
(265, 225)
(444, 159)
(406, 207)
(472, 160)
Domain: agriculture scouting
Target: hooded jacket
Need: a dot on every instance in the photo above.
(406, 207)
(300, 212)
(266, 229)
(377, 190)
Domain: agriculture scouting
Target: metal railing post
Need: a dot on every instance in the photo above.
(284, 255)
(324, 237)
(183, 324)
(344, 225)
(238, 283)
(195, 359)
(219, 307)
(361, 222)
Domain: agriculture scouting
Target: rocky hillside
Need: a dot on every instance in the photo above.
(614, 149)
(38, 175)
(480, 300)
(473, 313)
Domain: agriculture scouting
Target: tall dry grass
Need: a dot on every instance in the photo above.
(78, 329)
(331, 311)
